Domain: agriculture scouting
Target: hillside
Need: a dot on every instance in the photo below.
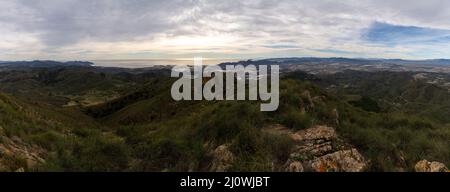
(134, 125)
(38, 136)
(395, 136)
(423, 94)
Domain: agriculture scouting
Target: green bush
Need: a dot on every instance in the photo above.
(97, 154)
(297, 120)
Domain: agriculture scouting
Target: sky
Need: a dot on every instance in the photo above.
(218, 29)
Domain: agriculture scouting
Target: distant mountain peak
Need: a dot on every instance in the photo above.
(44, 63)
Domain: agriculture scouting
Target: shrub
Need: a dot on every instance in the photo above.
(297, 120)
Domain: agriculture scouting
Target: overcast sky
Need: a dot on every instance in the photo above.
(177, 29)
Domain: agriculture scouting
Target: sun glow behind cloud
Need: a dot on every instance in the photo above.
(100, 29)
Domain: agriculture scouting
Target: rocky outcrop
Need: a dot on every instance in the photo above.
(18, 155)
(427, 166)
(315, 141)
(340, 161)
(313, 134)
(223, 159)
(319, 149)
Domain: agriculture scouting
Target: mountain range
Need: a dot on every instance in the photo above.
(335, 114)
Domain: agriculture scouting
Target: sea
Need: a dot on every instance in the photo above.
(153, 62)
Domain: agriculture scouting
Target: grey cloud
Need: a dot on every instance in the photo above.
(60, 23)
(63, 22)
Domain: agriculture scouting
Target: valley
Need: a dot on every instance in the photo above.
(372, 115)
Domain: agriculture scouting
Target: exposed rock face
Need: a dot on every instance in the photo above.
(15, 148)
(319, 149)
(315, 133)
(223, 159)
(340, 161)
(426, 166)
(315, 141)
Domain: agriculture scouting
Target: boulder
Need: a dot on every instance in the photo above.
(426, 166)
(223, 159)
(438, 167)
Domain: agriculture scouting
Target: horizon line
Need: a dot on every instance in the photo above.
(215, 59)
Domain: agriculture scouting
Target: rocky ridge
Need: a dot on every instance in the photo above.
(319, 149)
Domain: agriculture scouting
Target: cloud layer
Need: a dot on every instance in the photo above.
(145, 29)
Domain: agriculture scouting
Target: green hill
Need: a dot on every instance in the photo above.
(138, 127)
